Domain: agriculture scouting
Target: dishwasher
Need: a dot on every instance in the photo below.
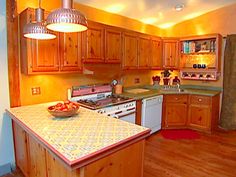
(152, 112)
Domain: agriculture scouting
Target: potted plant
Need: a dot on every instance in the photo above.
(156, 80)
(166, 76)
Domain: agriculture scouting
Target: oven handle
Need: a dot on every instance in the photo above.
(118, 117)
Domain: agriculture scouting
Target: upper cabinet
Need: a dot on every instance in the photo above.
(94, 43)
(113, 43)
(71, 51)
(48, 56)
(156, 53)
(130, 56)
(142, 51)
(144, 56)
(103, 44)
(171, 53)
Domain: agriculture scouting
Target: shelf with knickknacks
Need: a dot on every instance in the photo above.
(166, 76)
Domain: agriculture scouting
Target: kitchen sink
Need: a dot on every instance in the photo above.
(137, 90)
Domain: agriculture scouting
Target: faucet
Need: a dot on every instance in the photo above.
(178, 87)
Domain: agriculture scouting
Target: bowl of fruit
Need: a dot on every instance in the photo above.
(64, 109)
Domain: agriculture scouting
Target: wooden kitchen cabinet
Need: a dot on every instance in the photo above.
(37, 56)
(70, 51)
(37, 156)
(144, 54)
(94, 43)
(170, 53)
(21, 148)
(59, 55)
(113, 46)
(175, 111)
(156, 53)
(203, 112)
(130, 48)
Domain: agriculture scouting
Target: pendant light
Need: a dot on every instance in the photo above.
(67, 19)
(38, 29)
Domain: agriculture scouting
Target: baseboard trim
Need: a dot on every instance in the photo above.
(6, 168)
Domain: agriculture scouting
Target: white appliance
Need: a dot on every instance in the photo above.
(152, 112)
(124, 111)
(100, 99)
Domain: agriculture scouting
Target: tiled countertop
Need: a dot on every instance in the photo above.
(79, 137)
(155, 91)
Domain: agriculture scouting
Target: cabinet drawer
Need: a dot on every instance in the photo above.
(199, 99)
(176, 98)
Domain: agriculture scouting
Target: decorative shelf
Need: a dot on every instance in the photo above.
(206, 75)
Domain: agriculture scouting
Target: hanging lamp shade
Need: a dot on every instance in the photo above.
(38, 29)
(67, 19)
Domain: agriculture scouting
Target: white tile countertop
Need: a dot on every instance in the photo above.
(76, 138)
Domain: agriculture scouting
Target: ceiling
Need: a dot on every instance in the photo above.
(160, 13)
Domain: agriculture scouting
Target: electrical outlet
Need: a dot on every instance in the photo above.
(136, 80)
(35, 91)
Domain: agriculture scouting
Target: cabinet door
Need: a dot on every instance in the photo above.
(71, 51)
(130, 45)
(170, 55)
(94, 44)
(156, 54)
(113, 46)
(21, 148)
(144, 52)
(175, 114)
(37, 155)
(44, 55)
(200, 117)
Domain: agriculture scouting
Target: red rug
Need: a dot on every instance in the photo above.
(180, 134)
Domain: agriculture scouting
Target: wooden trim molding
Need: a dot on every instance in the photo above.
(12, 50)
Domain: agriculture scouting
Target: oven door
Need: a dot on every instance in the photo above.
(128, 116)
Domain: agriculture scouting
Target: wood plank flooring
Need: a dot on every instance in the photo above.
(210, 156)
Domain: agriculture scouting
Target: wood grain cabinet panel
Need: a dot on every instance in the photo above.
(144, 52)
(113, 52)
(175, 111)
(156, 54)
(37, 55)
(171, 54)
(45, 55)
(21, 149)
(130, 45)
(94, 44)
(37, 156)
(201, 110)
(71, 51)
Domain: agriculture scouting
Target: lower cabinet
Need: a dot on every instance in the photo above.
(175, 111)
(35, 160)
(191, 111)
(21, 149)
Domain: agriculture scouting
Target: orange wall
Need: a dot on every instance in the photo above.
(219, 21)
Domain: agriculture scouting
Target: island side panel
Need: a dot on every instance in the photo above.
(123, 163)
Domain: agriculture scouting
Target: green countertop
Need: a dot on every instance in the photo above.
(154, 91)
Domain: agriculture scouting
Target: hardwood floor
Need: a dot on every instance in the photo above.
(210, 156)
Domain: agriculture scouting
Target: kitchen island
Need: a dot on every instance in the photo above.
(85, 145)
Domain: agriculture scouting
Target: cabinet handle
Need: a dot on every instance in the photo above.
(200, 100)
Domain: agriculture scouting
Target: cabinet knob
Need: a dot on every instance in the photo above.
(176, 98)
(76, 62)
(200, 100)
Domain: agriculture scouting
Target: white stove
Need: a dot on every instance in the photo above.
(100, 99)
